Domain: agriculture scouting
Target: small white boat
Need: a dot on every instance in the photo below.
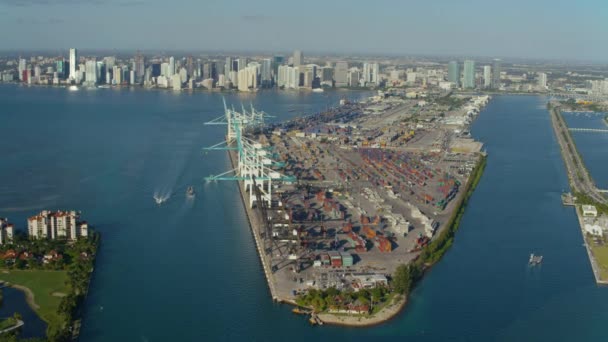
(535, 259)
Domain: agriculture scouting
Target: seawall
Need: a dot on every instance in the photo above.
(255, 224)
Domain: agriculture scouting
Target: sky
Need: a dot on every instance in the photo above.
(557, 29)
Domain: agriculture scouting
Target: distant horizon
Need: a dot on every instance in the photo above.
(285, 53)
(546, 30)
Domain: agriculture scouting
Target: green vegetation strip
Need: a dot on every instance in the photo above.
(437, 248)
(7, 323)
(600, 253)
(43, 285)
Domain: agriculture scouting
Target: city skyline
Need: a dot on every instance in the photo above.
(405, 29)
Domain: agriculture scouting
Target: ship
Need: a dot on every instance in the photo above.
(190, 191)
(535, 259)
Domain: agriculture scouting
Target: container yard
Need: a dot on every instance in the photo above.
(353, 192)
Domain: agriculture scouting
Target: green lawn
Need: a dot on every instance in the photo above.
(7, 323)
(43, 284)
(600, 253)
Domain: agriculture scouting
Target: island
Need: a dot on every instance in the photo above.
(52, 263)
(351, 206)
(590, 203)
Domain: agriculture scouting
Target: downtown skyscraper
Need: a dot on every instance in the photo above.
(454, 73)
(73, 63)
(468, 80)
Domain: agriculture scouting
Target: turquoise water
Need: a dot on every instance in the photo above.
(188, 270)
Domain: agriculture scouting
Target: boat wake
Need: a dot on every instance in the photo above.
(161, 198)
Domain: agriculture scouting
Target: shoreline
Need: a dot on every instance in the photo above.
(29, 297)
(390, 311)
(554, 113)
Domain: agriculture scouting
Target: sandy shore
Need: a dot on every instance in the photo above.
(386, 314)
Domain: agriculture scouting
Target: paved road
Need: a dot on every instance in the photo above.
(580, 180)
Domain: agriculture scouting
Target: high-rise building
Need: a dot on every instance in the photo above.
(21, 68)
(341, 74)
(276, 62)
(57, 225)
(298, 58)
(156, 70)
(266, 73)
(487, 76)
(370, 73)
(228, 67)
(60, 66)
(73, 63)
(6, 231)
(468, 79)
(90, 72)
(171, 69)
(354, 77)
(190, 66)
(117, 77)
(496, 74)
(139, 66)
(327, 76)
(542, 80)
(454, 73)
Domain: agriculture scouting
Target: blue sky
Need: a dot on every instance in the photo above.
(555, 29)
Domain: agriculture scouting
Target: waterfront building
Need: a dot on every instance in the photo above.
(341, 74)
(298, 58)
(370, 74)
(60, 65)
(117, 78)
(21, 68)
(327, 76)
(139, 66)
(6, 231)
(266, 73)
(468, 74)
(176, 82)
(221, 81)
(73, 63)
(108, 76)
(496, 74)
(247, 77)
(132, 77)
(354, 77)
(90, 72)
(542, 80)
(487, 76)
(454, 73)
(308, 76)
(57, 225)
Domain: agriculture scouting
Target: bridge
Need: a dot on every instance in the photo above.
(595, 130)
